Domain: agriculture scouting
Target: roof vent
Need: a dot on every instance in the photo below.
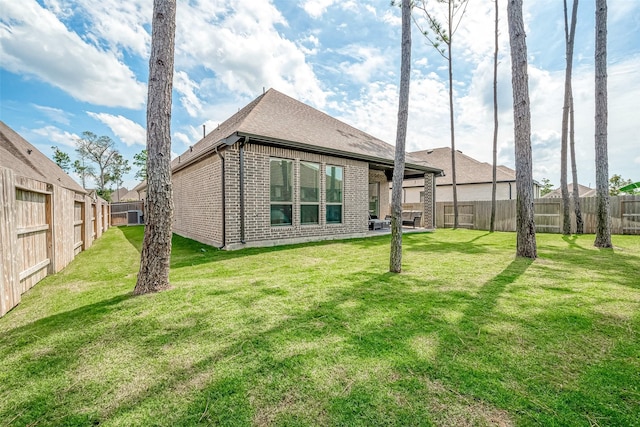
(29, 150)
(429, 151)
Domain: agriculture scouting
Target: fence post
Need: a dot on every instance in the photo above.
(10, 292)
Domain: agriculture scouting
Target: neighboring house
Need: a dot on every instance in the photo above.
(474, 179)
(583, 191)
(141, 190)
(117, 195)
(280, 171)
(130, 196)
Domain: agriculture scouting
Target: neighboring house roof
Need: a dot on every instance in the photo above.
(24, 159)
(141, 186)
(583, 191)
(468, 169)
(130, 196)
(280, 120)
(117, 195)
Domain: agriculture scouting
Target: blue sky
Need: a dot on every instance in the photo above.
(70, 66)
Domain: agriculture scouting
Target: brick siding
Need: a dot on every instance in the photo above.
(258, 229)
(197, 196)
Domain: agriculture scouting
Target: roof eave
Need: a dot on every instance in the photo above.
(329, 151)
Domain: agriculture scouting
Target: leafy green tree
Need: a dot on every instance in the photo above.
(119, 169)
(616, 182)
(101, 151)
(83, 170)
(140, 161)
(61, 158)
(547, 187)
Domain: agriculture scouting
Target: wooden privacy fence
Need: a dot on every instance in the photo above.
(127, 213)
(42, 228)
(624, 215)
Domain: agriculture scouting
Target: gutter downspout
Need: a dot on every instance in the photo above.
(510, 197)
(224, 202)
(242, 239)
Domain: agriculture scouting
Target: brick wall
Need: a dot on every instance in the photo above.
(197, 196)
(428, 219)
(258, 230)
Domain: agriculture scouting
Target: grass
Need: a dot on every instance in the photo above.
(322, 334)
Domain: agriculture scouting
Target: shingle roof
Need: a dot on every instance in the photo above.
(468, 169)
(277, 118)
(583, 191)
(17, 154)
(117, 195)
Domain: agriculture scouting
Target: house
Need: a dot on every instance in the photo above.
(46, 218)
(117, 195)
(474, 179)
(279, 171)
(583, 191)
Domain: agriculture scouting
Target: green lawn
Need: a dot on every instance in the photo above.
(322, 334)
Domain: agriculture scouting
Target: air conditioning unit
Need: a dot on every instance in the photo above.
(134, 217)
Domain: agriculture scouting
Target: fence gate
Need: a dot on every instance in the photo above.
(630, 216)
(78, 227)
(127, 213)
(34, 236)
(547, 217)
(465, 216)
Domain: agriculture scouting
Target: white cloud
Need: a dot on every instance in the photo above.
(34, 42)
(55, 114)
(187, 88)
(392, 19)
(181, 137)
(311, 40)
(126, 130)
(119, 23)
(370, 61)
(56, 136)
(244, 49)
(316, 8)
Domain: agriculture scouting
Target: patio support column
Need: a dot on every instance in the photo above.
(429, 203)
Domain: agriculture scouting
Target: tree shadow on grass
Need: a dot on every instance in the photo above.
(16, 339)
(187, 252)
(346, 356)
(618, 267)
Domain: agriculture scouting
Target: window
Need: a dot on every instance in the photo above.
(309, 193)
(281, 189)
(334, 180)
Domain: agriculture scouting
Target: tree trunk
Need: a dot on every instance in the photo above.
(603, 229)
(525, 225)
(456, 223)
(395, 261)
(574, 171)
(569, 36)
(492, 226)
(156, 246)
